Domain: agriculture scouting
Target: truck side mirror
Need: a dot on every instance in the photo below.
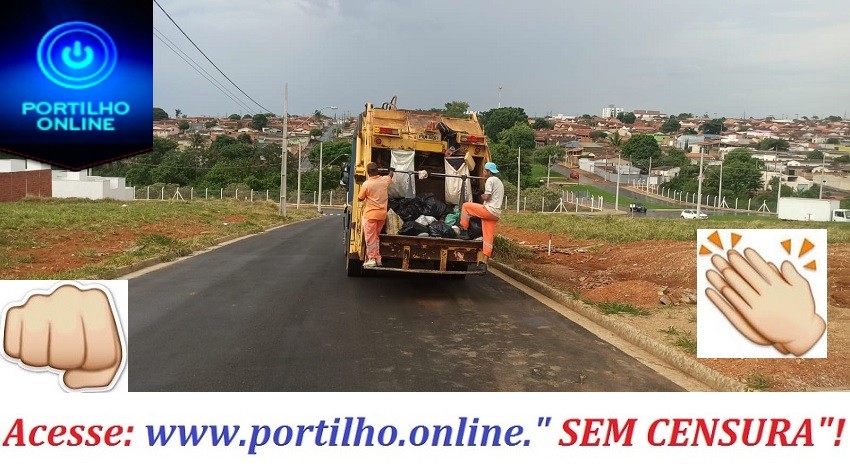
(345, 175)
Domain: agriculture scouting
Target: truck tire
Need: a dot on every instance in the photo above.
(353, 267)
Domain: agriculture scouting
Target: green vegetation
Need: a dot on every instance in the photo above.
(641, 149)
(687, 344)
(538, 172)
(454, 109)
(609, 197)
(620, 308)
(615, 229)
(227, 161)
(508, 251)
(627, 117)
(141, 230)
(758, 382)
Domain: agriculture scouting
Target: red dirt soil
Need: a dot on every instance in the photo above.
(644, 273)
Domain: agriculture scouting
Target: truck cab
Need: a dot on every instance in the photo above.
(433, 140)
(841, 215)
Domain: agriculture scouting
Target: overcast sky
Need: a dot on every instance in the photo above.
(759, 57)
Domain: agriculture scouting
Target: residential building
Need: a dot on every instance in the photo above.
(611, 111)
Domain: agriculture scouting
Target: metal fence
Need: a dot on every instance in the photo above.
(175, 193)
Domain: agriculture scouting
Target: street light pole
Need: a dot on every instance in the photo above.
(822, 180)
(283, 150)
(518, 155)
(548, 171)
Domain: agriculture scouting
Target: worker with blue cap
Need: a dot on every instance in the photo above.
(489, 211)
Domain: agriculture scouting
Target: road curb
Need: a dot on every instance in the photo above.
(674, 358)
(132, 268)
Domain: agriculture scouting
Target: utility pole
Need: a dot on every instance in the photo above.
(319, 209)
(617, 195)
(720, 187)
(699, 182)
(298, 198)
(822, 179)
(518, 155)
(548, 171)
(778, 181)
(648, 175)
(284, 151)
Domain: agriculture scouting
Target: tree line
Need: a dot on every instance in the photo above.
(227, 162)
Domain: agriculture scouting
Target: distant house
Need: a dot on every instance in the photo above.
(666, 172)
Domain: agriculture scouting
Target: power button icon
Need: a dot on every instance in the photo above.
(77, 55)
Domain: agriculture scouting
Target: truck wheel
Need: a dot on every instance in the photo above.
(353, 267)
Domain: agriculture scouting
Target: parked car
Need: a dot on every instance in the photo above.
(574, 175)
(692, 215)
(637, 207)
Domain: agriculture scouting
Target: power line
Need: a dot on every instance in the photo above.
(209, 79)
(208, 58)
(210, 76)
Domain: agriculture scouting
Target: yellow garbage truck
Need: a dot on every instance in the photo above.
(453, 152)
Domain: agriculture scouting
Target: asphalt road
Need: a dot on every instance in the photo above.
(275, 312)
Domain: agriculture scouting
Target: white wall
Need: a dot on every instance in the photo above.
(76, 185)
(19, 165)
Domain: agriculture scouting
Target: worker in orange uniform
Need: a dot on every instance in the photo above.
(489, 211)
(374, 192)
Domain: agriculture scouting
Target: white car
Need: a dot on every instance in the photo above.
(692, 215)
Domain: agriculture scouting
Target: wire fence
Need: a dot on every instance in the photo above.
(175, 193)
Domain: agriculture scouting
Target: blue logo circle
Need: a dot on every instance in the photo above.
(77, 55)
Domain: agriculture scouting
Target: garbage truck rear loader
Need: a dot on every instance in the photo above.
(417, 237)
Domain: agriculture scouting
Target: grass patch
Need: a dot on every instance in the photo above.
(508, 251)
(687, 344)
(617, 229)
(620, 308)
(670, 331)
(538, 172)
(758, 382)
(158, 227)
(610, 198)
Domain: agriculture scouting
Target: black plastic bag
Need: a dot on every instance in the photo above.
(440, 229)
(406, 208)
(430, 206)
(411, 228)
(475, 228)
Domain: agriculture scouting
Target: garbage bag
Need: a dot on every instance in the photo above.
(452, 218)
(411, 228)
(425, 220)
(406, 208)
(393, 223)
(440, 229)
(429, 205)
(475, 228)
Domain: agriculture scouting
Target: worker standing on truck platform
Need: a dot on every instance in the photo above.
(374, 192)
(489, 212)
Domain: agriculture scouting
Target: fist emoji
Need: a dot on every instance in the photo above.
(71, 330)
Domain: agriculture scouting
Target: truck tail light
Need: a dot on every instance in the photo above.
(386, 131)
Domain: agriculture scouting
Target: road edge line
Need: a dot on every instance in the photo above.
(151, 264)
(699, 371)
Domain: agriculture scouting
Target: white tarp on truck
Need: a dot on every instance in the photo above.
(403, 185)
